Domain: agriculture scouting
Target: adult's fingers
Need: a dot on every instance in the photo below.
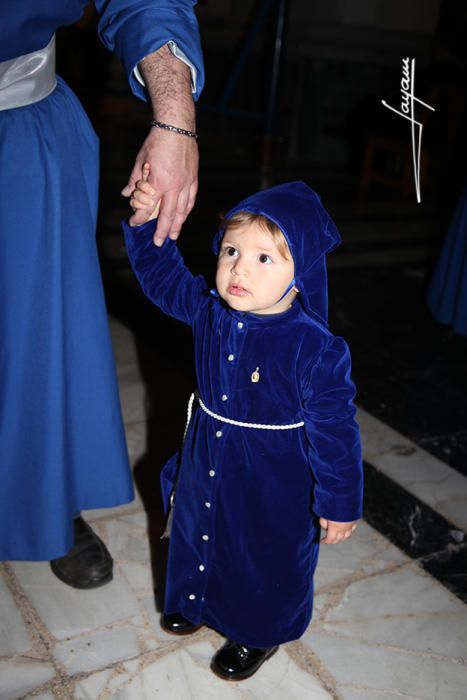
(180, 214)
(192, 195)
(168, 210)
(135, 175)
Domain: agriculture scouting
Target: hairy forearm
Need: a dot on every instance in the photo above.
(168, 82)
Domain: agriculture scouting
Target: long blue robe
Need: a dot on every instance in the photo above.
(447, 293)
(62, 444)
(245, 536)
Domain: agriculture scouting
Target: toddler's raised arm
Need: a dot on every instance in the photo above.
(160, 270)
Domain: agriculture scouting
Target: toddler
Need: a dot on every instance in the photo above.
(272, 450)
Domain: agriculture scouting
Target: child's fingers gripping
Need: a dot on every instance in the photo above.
(143, 198)
(143, 186)
(338, 532)
(135, 204)
(146, 171)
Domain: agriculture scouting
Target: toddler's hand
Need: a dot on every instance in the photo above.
(336, 532)
(142, 200)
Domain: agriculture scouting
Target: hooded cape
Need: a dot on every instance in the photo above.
(309, 231)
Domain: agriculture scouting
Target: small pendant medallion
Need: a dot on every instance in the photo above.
(255, 376)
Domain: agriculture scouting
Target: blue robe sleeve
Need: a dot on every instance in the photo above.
(133, 29)
(162, 274)
(333, 435)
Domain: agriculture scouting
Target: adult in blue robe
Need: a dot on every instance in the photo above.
(447, 293)
(62, 443)
(244, 539)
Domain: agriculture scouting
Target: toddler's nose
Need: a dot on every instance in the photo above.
(239, 267)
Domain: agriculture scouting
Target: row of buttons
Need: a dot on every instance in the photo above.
(212, 472)
(231, 358)
(201, 567)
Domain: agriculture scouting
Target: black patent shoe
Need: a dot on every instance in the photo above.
(177, 624)
(235, 662)
(88, 564)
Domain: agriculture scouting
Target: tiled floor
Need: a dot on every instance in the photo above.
(383, 628)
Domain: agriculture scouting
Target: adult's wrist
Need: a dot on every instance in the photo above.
(168, 82)
(174, 129)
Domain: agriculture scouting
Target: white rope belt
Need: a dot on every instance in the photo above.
(241, 424)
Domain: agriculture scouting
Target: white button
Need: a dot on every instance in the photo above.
(192, 596)
(219, 433)
(201, 567)
(212, 472)
(205, 538)
(224, 397)
(231, 357)
(239, 324)
(207, 504)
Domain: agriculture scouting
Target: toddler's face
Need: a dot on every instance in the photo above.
(252, 275)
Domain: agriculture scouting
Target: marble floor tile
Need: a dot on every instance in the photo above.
(184, 675)
(425, 476)
(365, 552)
(128, 374)
(382, 669)
(123, 344)
(361, 694)
(153, 617)
(94, 686)
(134, 506)
(138, 521)
(402, 609)
(21, 677)
(67, 611)
(382, 629)
(14, 637)
(136, 439)
(138, 576)
(127, 544)
(97, 650)
(366, 545)
(133, 402)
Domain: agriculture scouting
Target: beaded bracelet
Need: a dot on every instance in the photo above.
(175, 129)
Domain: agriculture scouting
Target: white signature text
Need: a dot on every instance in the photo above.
(407, 111)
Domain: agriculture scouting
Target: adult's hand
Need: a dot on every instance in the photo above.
(173, 159)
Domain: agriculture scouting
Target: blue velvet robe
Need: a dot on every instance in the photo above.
(245, 535)
(447, 293)
(62, 443)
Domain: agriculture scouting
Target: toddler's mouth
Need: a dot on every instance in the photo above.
(237, 290)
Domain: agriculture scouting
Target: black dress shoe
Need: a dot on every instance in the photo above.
(235, 662)
(88, 564)
(177, 624)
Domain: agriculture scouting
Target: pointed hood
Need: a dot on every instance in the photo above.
(310, 234)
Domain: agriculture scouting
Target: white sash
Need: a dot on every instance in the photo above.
(29, 78)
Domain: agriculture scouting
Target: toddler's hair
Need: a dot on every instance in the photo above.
(246, 217)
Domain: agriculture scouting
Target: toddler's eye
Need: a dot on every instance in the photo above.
(265, 259)
(230, 251)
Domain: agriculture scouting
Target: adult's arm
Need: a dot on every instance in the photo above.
(148, 35)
